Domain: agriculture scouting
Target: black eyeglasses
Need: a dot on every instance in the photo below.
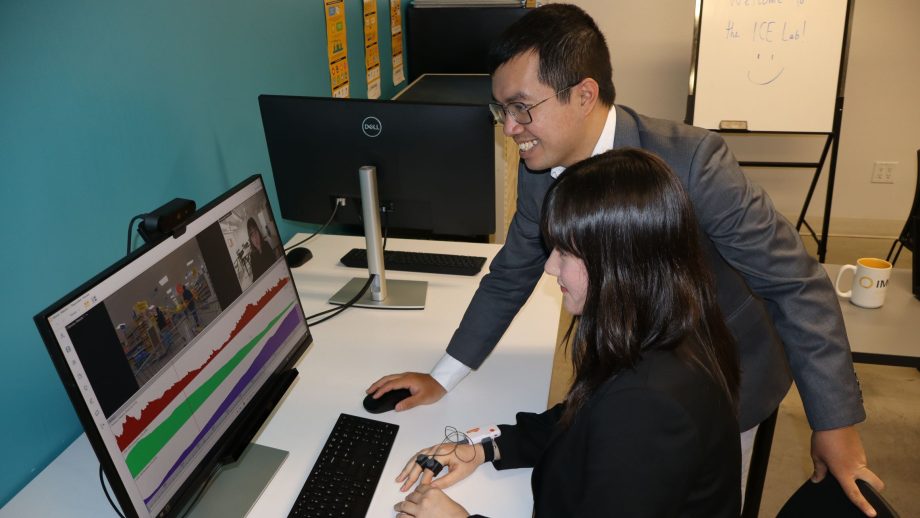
(519, 112)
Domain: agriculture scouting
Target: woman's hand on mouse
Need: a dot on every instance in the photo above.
(459, 459)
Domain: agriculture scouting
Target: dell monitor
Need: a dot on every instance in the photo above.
(424, 168)
(175, 355)
(435, 163)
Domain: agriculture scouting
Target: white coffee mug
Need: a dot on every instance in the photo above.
(870, 279)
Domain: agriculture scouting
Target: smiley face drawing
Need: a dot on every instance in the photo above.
(765, 68)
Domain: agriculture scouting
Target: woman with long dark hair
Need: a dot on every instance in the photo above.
(261, 255)
(649, 426)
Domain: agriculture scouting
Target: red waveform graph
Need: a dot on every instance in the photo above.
(133, 427)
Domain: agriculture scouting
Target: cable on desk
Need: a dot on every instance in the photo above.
(336, 311)
(338, 203)
(107, 497)
(350, 303)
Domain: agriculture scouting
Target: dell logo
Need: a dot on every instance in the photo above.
(371, 126)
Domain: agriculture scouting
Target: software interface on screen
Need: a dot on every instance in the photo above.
(168, 350)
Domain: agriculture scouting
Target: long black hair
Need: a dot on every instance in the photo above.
(628, 218)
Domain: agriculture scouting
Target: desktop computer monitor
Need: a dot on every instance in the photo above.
(174, 356)
(435, 163)
(454, 39)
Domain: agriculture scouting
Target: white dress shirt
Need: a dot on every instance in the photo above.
(449, 371)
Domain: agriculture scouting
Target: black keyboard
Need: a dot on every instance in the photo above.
(419, 262)
(345, 476)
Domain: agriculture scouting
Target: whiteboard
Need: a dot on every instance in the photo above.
(774, 64)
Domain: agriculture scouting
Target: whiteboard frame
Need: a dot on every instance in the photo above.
(841, 75)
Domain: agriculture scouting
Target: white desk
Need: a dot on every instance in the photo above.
(889, 335)
(349, 352)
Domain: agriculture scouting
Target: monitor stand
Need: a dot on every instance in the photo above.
(238, 485)
(382, 294)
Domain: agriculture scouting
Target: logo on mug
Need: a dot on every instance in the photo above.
(371, 126)
(870, 279)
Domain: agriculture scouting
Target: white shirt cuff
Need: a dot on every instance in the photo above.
(449, 372)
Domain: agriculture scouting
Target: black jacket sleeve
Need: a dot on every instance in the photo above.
(522, 445)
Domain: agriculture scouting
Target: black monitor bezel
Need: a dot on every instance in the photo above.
(259, 407)
(349, 218)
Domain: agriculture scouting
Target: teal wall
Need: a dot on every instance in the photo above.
(109, 109)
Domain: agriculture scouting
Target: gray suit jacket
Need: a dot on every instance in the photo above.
(777, 300)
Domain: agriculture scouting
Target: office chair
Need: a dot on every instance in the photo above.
(757, 470)
(826, 498)
(907, 237)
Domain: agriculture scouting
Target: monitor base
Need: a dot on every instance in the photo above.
(238, 485)
(400, 295)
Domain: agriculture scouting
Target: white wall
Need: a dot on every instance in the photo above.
(651, 44)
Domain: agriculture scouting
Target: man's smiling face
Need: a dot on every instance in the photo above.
(554, 136)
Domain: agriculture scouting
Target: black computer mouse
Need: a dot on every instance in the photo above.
(386, 402)
(298, 256)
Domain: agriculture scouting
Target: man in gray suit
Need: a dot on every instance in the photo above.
(553, 85)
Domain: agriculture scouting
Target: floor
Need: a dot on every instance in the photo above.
(891, 434)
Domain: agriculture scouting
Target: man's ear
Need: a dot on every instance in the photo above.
(586, 94)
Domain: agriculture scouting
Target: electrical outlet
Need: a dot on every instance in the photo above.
(883, 172)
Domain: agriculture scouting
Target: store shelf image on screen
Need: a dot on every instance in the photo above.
(163, 310)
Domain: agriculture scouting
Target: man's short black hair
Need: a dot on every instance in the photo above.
(569, 44)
